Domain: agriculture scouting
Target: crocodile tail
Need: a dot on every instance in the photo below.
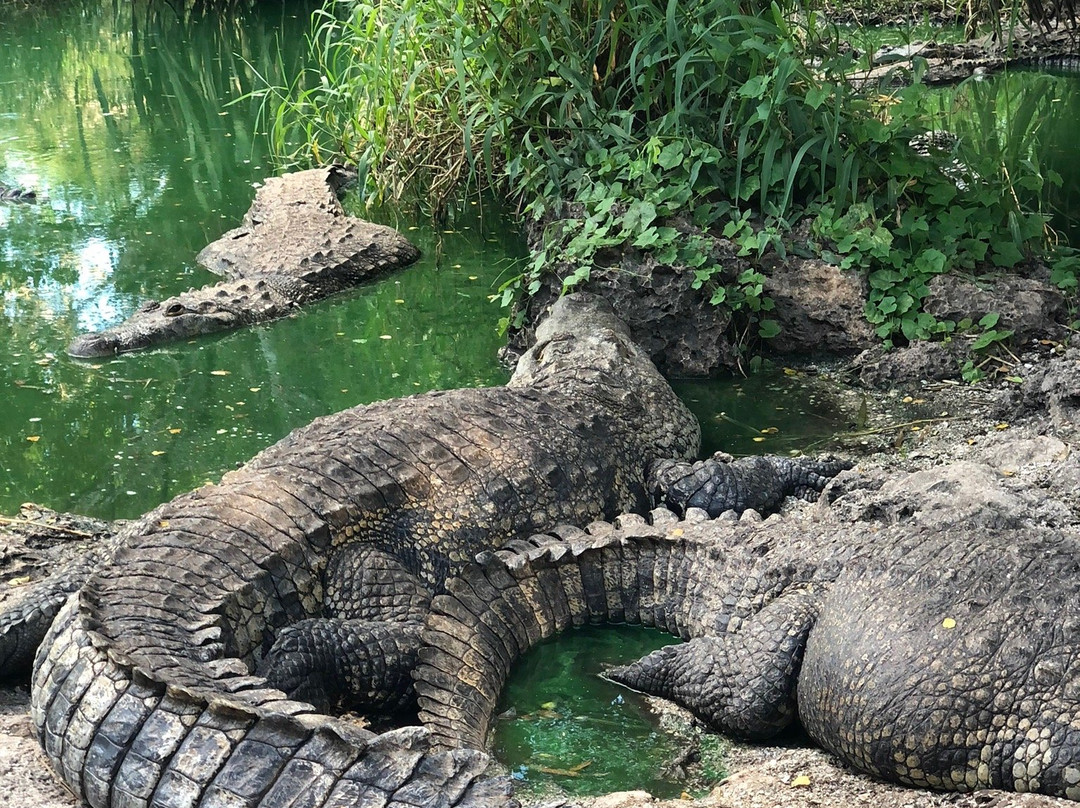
(24, 624)
(509, 601)
(118, 737)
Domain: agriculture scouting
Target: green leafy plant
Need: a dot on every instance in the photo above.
(659, 127)
(988, 337)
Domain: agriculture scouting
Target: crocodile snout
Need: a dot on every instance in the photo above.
(98, 343)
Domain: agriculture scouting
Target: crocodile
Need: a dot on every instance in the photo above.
(191, 668)
(950, 63)
(935, 650)
(296, 245)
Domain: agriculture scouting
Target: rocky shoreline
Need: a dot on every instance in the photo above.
(819, 308)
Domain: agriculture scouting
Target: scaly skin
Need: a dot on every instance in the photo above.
(296, 245)
(184, 671)
(721, 484)
(938, 655)
(46, 556)
(143, 693)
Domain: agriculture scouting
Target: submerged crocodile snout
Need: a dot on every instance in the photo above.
(90, 346)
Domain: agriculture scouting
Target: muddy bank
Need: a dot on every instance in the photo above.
(818, 306)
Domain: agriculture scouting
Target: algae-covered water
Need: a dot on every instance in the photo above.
(132, 122)
(562, 726)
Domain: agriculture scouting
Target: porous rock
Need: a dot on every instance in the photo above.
(819, 307)
(1029, 307)
(919, 361)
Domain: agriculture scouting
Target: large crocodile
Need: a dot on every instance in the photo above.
(296, 245)
(326, 549)
(939, 651)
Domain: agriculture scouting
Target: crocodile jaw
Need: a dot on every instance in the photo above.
(149, 328)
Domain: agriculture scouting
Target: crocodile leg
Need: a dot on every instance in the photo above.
(720, 484)
(338, 665)
(361, 656)
(742, 684)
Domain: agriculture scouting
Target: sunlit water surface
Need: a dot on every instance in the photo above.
(132, 123)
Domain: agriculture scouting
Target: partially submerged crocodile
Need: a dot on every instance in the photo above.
(940, 653)
(296, 245)
(950, 63)
(315, 565)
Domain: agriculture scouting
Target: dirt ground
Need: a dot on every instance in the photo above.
(26, 781)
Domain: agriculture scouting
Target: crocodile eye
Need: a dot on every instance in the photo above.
(175, 309)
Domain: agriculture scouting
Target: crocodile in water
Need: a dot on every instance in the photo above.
(296, 245)
(12, 193)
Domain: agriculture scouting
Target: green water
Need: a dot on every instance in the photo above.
(126, 120)
(1012, 119)
(570, 730)
(773, 412)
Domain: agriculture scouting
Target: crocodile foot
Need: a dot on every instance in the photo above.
(742, 684)
(720, 484)
(339, 665)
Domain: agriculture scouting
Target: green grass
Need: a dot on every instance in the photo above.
(735, 117)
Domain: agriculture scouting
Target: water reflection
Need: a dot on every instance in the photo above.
(564, 730)
(129, 120)
(1013, 119)
(117, 116)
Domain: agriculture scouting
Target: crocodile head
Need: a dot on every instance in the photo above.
(154, 323)
(584, 349)
(582, 335)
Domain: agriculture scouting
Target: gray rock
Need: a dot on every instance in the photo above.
(1029, 307)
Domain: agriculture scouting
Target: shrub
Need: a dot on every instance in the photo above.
(734, 114)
